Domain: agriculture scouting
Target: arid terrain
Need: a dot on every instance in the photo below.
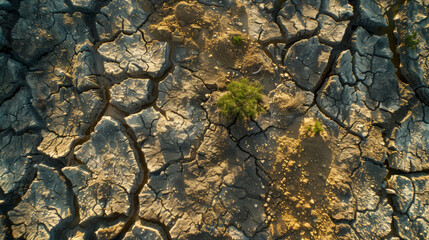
(110, 126)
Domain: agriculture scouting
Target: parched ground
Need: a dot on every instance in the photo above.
(109, 127)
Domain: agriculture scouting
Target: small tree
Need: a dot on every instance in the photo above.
(243, 99)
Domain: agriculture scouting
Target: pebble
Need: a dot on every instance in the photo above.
(390, 191)
(307, 226)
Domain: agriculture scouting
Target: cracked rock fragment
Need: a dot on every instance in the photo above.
(173, 136)
(67, 117)
(66, 92)
(345, 104)
(39, 30)
(342, 204)
(419, 207)
(404, 192)
(111, 172)
(165, 139)
(141, 232)
(372, 66)
(343, 67)
(132, 55)
(411, 205)
(306, 62)
(373, 147)
(337, 9)
(331, 32)
(162, 140)
(261, 26)
(182, 93)
(11, 74)
(374, 224)
(366, 183)
(131, 94)
(122, 16)
(46, 206)
(204, 196)
(297, 18)
(345, 232)
(17, 112)
(412, 18)
(371, 14)
(368, 95)
(410, 142)
(15, 161)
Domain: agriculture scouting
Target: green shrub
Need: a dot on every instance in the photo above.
(243, 99)
(237, 39)
(411, 42)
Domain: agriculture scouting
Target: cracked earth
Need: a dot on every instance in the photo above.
(109, 127)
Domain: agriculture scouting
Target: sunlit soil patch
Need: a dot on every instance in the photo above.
(297, 203)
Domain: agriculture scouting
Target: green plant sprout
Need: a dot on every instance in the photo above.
(316, 128)
(237, 39)
(243, 99)
(411, 41)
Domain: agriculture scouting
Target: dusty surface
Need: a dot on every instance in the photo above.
(110, 128)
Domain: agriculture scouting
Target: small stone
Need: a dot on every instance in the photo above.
(390, 191)
(307, 226)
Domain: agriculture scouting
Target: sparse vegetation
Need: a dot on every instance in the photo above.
(243, 99)
(411, 41)
(288, 102)
(315, 128)
(237, 39)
